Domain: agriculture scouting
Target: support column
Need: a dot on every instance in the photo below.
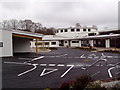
(91, 43)
(107, 43)
(80, 42)
(36, 47)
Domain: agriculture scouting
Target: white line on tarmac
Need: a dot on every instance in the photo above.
(96, 57)
(51, 65)
(110, 56)
(35, 66)
(89, 57)
(76, 57)
(118, 73)
(51, 70)
(110, 74)
(93, 51)
(60, 65)
(43, 64)
(71, 66)
(18, 63)
(38, 58)
(79, 65)
(116, 57)
(82, 56)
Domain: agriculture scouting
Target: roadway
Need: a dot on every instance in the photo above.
(53, 68)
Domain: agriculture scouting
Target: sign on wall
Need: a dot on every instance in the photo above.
(1, 44)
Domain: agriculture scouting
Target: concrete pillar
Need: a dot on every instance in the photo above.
(107, 43)
(80, 42)
(91, 43)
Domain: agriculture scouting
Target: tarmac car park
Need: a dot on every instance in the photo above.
(53, 68)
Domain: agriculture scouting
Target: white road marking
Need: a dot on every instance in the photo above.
(92, 55)
(93, 51)
(43, 64)
(51, 70)
(79, 65)
(89, 57)
(116, 57)
(118, 73)
(51, 65)
(57, 56)
(76, 57)
(99, 65)
(35, 66)
(18, 63)
(83, 68)
(38, 58)
(110, 65)
(60, 65)
(71, 66)
(110, 74)
(110, 56)
(96, 57)
(95, 73)
(82, 56)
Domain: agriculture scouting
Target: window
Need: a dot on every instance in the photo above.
(38, 43)
(65, 41)
(84, 30)
(77, 29)
(57, 31)
(1, 44)
(89, 30)
(75, 41)
(61, 30)
(66, 30)
(46, 43)
(72, 30)
(53, 43)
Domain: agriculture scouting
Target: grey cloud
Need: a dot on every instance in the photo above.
(64, 13)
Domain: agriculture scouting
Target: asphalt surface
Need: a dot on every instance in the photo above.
(51, 69)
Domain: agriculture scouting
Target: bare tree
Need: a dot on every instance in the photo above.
(22, 24)
(4, 24)
(14, 24)
(94, 26)
(77, 25)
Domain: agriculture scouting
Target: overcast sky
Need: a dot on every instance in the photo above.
(62, 13)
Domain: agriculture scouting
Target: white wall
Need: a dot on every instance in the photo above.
(21, 45)
(6, 38)
(50, 44)
(74, 34)
(74, 44)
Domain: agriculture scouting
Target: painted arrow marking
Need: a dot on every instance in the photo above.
(50, 71)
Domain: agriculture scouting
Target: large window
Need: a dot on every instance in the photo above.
(77, 30)
(89, 30)
(75, 41)
(84, 29)
(53, 43)
(72, 30)
(61, 30)
(66, 30)
(1, 44)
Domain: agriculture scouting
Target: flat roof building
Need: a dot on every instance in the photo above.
(16, 41)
